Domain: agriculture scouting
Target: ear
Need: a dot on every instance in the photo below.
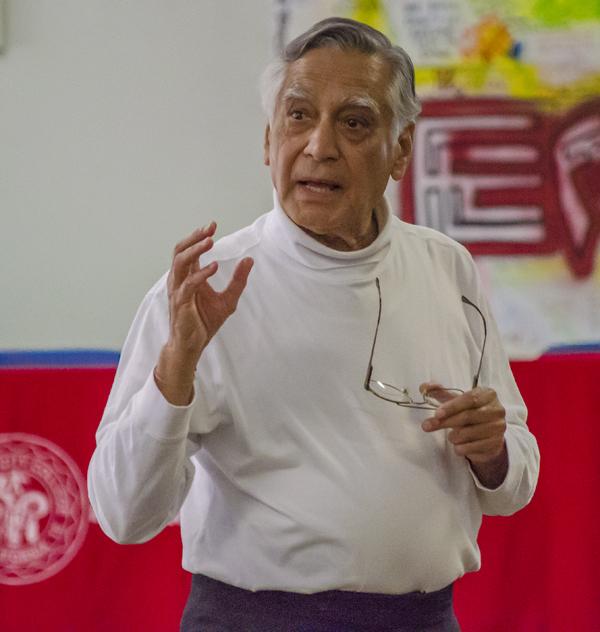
(267, 145)
(403, 149)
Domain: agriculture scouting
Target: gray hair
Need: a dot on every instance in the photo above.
(347, 35)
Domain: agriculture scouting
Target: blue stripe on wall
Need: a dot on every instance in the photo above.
(582, 348)
(71, 358)
(59, 358)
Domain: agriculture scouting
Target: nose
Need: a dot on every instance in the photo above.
(322, 142)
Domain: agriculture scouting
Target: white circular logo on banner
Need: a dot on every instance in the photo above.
(43, 509)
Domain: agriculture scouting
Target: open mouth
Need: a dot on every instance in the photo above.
(319, 186)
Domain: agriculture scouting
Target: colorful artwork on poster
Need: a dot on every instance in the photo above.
(507, 149)
(526, 49)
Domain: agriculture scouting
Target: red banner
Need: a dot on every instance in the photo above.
(541, 567)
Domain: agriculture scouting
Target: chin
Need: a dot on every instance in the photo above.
(311, 218)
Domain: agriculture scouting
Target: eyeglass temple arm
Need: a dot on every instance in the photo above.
(370, 369)
(468, 302)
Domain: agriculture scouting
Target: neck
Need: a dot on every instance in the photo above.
(356, 241)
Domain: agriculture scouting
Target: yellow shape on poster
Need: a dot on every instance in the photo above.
(372, 12)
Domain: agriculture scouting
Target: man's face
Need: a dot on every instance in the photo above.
(333, 143)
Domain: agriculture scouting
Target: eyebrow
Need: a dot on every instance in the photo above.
(296, 92)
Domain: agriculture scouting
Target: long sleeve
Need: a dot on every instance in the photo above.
(140, 472)
(523, 454)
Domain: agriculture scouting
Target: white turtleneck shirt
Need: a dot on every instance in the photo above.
(286, 473)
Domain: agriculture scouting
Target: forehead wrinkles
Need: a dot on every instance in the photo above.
(298, 92)
(360, 80)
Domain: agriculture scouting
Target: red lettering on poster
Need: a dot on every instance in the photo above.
(505, 178)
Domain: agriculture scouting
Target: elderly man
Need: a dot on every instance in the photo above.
(318, 423)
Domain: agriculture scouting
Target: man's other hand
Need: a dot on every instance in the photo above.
(477, 424)
(196, 312)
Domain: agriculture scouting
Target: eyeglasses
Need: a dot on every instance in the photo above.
(401, 396)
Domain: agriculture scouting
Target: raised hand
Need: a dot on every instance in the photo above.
(196, 312)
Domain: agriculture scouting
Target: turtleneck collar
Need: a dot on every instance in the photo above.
(314, 256)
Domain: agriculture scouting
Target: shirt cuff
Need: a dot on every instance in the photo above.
(161, 419)
(511, 478)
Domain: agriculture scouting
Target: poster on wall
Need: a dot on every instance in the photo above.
(507, 148)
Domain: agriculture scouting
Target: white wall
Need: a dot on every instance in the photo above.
(123, 126)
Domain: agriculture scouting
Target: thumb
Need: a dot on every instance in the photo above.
(436, 391)
(236, 286)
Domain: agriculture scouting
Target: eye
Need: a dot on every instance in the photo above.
(297, 115)
(355, 123)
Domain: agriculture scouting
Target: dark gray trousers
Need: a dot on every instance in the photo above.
(213, 606)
